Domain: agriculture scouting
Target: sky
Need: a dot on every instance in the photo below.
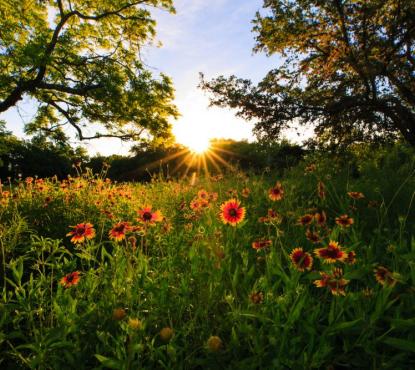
(209, 36)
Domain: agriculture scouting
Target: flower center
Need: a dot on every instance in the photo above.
(233, 212)
(147, 216)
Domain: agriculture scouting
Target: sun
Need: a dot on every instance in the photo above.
(198, 145)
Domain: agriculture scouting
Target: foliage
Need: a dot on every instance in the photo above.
(348, 70)
(38, 157)
(80, 61)
(224, 303)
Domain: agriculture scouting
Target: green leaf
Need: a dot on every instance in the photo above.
(110, 362)
(402, 344)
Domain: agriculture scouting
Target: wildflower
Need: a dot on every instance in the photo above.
(119, 230)
(28, 180)
(332, 253)
(70, 279)
(81, 232)
(213, 197)
(305, 220)
(245, 192)
(310, 168)
(256, 297)
(344, 221)
(148, 217)
(214, 343)
(261, 244)
(118, 314)
(320, 218)
(355, 195)
(232, 193)
(334, 282)
(384, 276)
(277, 192)
(166, 334)
(350, 258)
(134, 324)
(321, 190)
(133, 241)
(312, 236)
(203, 194)
(198, 204)
(231, 212)
(301, 260)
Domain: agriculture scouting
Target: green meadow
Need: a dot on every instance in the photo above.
(104, 275)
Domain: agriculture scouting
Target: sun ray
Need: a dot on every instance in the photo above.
(209, 157)
(221, 160)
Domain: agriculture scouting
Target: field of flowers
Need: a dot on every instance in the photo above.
(313, 269)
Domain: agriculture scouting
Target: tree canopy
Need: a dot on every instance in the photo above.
(80, 60)
(348, 69)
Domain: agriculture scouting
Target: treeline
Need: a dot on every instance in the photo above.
(44, 158)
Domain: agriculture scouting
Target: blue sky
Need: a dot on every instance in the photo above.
(209, 36)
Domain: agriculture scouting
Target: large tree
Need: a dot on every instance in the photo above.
(348, 69)
(79, 60)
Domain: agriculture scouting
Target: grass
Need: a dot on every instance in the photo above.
(190, 292)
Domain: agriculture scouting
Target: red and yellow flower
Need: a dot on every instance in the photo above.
(231, 212)
(261, 244)
(301, 260)
(277, 192)
(320, 218)
(305, 220)
(81, 232)
(149, 217)
(350, 258)
(70, 279)
(334, 282)
(384, 276)
(312, 236)
(119, 231)
(332, 253)
(355, 195)
(203, 194)
(344, 221)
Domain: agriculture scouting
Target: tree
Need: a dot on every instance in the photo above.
(348, 68)
(80, 60)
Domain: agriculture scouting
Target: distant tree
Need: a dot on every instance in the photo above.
(348, 69)
(80, 60)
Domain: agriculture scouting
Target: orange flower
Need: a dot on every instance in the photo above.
(277, 192)
(70, 279)
(256, 297)
(321, 190)
(81, 232)
(213, 197)
(231, 212)
(310, 168)
(384, 276)
(245, 192)
(148, 217)
(334, 282)
(305, 220)
(301, 260)
(198, 203)
(344, 221)
(203, 194)
(355, 194)
(320, 218)
(332, 253)
(119, 230)
(261, 244)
